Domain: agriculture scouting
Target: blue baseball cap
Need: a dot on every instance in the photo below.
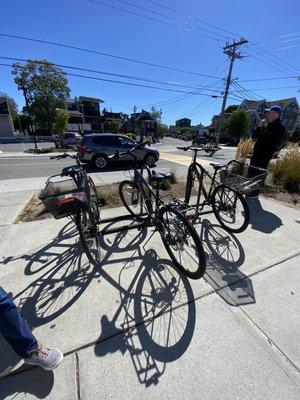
(277, 109)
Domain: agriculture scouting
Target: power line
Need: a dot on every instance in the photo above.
(268, 64)
(105, 73)
(177, 98)
(274, 56)
(147, 17)
(127, 83)
(283, 68)
(104, 54)
(180, 98)
(193, 18)
(245, 91)
(276, 88)
(268, 79)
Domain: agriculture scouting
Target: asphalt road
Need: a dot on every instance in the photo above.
(171, 159)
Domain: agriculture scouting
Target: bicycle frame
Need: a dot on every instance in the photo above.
(195, 166)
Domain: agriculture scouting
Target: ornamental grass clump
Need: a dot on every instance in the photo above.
(286, 171)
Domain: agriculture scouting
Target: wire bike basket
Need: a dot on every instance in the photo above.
(235, 175)
(63, 198)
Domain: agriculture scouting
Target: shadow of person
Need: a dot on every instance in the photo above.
(262, 220)
(35, 381)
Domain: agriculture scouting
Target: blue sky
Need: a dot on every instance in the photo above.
(271, 25)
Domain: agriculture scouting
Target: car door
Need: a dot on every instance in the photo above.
(123, 144)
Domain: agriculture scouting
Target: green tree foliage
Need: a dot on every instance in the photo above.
(46, 88)
(61, 121)
(114, 126)
(13, 106)
(238, 123)
(156, 114)
(231, 108)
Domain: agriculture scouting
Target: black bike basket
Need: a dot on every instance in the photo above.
(63, 198)
(236, 176)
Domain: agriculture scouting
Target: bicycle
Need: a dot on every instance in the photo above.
(76, 198)
(145, 203)
(228, 205)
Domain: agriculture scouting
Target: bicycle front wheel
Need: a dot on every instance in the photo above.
(191, 176)
(89, 234)
(182, 243)
(133, 199)
(230, 209)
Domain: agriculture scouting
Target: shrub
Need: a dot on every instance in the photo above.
(286, 171)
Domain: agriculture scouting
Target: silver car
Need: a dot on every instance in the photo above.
(96, 147)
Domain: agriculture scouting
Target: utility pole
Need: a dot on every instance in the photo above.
(231, 51)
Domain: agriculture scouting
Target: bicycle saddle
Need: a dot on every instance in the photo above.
(216, 165)
(159, 176)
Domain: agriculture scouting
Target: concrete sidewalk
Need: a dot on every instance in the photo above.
(135, 328)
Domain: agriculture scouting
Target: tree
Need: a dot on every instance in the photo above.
(45, 88)
(13, 106)
(156, 115)
(238, 124)
(114, 126)
(231, 108)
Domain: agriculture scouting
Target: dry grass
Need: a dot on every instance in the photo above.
(244, 149)
(286, 171)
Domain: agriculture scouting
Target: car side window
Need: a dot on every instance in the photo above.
(99, 140)
(124, 142)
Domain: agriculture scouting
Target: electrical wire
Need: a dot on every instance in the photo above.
(103, 54)
(127, 83)
(104, 73)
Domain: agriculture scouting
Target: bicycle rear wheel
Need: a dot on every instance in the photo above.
(133, 199)
(230, 209)
(182, 243)
(88, 229)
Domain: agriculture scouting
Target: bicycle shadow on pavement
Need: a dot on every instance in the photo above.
(36, 382)
(155, 320)
(261, 219)
(224, 256)
(62, 276)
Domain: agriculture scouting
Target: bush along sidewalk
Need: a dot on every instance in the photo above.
(286, 171)
(50, 150)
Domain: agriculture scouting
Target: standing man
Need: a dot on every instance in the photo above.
(270, 137)
(17, 333)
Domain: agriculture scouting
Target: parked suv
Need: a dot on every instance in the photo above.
(96, 147)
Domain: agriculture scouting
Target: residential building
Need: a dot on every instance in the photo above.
(256, 108)
(6, 123)
(84, 114)
(183, 123)
(142, 123)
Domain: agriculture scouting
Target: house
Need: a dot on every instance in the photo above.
(183, 123)
(6, 123)
(256, 108)
(142, 123)
(84, 114)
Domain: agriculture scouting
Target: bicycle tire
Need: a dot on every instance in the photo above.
(132, 199)
(183, 231)
(224, 201)
(189, 184)
(89, 235)
(93, 197)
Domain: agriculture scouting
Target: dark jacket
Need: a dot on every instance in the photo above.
(268, 141)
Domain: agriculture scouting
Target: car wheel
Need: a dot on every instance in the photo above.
(100, 161)
(150, 160)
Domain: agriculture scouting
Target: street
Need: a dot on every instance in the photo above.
(14, 165)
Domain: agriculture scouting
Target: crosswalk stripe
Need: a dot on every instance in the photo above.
(180, 159)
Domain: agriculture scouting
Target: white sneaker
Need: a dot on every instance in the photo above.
(45, 358)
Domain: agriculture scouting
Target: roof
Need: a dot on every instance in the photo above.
(253, 104)
(94, 99)
(282, 103)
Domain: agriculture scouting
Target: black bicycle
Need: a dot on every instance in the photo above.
(142, 199)
(76, 198)
(228, 205)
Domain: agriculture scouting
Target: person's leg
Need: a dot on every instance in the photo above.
(14, 328)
